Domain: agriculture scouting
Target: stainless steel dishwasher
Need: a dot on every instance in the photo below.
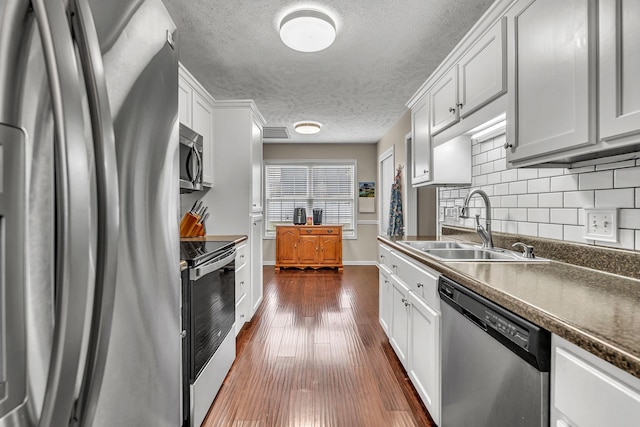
(495, 364)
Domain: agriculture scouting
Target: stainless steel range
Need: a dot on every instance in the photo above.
(208, 316)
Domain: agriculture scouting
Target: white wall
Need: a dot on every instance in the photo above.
(549, 202)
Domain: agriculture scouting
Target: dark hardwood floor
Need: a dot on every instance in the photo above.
(315, 355)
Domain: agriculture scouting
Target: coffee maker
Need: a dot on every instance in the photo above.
(299, 216)
(317, 216)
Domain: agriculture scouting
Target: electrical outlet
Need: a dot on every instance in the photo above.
(601, 224)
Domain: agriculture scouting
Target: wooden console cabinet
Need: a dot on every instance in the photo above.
(312, 246)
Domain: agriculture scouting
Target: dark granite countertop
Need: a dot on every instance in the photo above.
(598, 311)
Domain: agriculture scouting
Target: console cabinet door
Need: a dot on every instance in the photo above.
(551, 78)
(287, 245)
(619, 35)
(308, 250)
(330, 249)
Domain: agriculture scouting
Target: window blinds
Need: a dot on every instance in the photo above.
(309, 185)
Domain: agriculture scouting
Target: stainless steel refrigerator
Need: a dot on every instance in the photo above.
(89, 246)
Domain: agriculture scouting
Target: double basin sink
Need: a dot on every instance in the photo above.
(459, 252)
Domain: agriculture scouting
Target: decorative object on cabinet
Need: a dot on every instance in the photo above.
(312, 246)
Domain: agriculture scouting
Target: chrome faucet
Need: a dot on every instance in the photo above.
(483, 232)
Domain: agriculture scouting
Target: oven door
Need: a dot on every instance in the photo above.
(212, 308)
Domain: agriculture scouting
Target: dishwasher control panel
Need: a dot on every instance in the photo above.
(510, 330)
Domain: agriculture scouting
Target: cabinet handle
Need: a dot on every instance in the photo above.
(308, 231)
(507, 145)
(329, 231)
(406, 303)
(452, 110)
(459, 105)
(425, 171)
(419, 285)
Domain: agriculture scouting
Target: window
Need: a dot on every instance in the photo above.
(328, 185)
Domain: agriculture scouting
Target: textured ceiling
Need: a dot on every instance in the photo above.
(358, 87)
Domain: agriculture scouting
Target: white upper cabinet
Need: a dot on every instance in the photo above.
(619, 35)
(444, 102)
(551, 90)
(256, 167)
(482, 75)
(195, 110)
(420, 143)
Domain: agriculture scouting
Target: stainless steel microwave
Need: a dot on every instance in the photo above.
(191, 160)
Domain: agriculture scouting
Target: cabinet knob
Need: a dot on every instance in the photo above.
(419, 285)
(459, 105)
(452, 110)
(308, 231)
(508, 145)
(425, 171)
(330, 231)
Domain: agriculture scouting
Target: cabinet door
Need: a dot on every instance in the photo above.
(384, 300)
(287, 245)
(420, 143)
(551, 97)
(203, 124)
(256, 263)
(444, 102)
(400, 308)
(185, 98)
(481, 71)
(256, 168)
(619, 68)
(308, 249)
(330, 249)
(424, 354)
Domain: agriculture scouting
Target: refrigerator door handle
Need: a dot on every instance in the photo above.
(73, 278)
(108, 208)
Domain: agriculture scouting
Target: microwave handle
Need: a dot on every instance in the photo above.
(198, 175)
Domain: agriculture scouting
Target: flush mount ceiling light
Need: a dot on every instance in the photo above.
(307, 31)
(307, 127)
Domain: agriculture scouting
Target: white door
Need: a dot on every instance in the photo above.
(420, 143)
(256, 262)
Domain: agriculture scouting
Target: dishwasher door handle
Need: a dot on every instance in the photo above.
(475, 319)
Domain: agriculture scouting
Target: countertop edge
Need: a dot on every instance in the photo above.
(599, 346)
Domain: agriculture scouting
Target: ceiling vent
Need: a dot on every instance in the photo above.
(275, 133)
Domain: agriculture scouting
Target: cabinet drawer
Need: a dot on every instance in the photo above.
(319, 230)
(384, 256)
(241, 256)
(241, 313)
(422, 280)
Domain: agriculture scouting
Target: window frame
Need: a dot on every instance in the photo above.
(346, 234)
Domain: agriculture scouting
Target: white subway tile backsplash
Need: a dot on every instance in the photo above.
(538, 215)
(564, 216)
(480, 158)
(518, 187)
(596, 180)
(579, 199)
(629, 177)
(548, 172)
(550, 200)
(622, 198)
(574, 233)
(564, 183)
(541, 185)
(629, 218)
(509, 175)
(509, 201)
(528, 228)
(501, 189)
(528, 201)
(550, 231)
(525, 173)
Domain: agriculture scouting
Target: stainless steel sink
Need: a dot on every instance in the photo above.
(424, 245)
(477, 255)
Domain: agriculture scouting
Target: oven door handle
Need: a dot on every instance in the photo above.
(198, 273)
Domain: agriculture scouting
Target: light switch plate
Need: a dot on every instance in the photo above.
(601, 224)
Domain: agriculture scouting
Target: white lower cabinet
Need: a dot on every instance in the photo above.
(409, 299)
(384, 308)
(242, 286)
(586, 391)
(424, 353)
(400, 307)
